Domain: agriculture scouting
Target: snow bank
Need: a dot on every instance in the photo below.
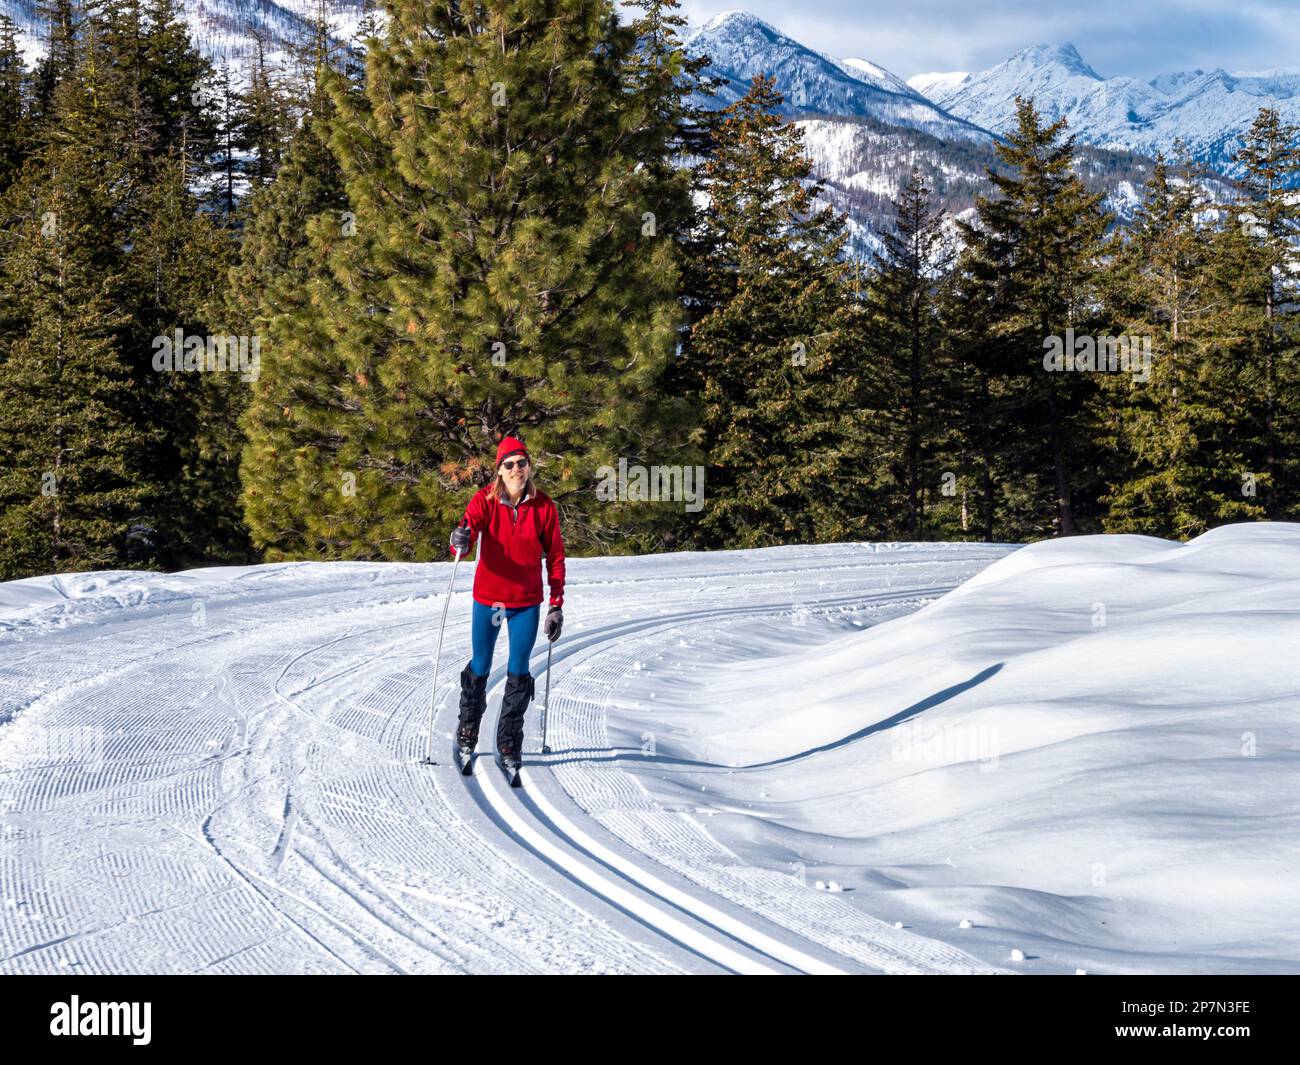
(1091, 750)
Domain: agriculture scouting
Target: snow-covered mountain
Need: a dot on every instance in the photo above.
(742, 45)
(864, 125)
(222, 29)
(863, 164)
(1207, 110)
(865, 70)
(936, 85)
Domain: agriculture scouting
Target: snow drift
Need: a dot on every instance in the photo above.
(1089, 751)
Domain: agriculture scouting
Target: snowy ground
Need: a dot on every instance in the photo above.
(779, 760)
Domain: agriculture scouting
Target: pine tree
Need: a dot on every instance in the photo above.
(15, 136)
(74, 483)
(677, 134)
(507, 273)
(154, 109)
(906, 336)
(227, 165)
(273, 294)
(262, 124)
(685, 88)
(1170, 478)
(1262, 272)
(125, 100)
(777, 357)
(62, 23)
(177, 83)
(177, 258)
(1032, 257)
(978, 403)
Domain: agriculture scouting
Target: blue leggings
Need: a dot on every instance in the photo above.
(486, 627)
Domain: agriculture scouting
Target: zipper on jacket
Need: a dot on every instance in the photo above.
(514, 509)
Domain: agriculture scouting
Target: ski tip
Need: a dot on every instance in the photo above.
(511, 773)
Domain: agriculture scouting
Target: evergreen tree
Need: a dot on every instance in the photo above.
(1261, 271)
(979, 404)
(682, 82)
(62, 21)
(262, 125)
(74, 483)
(15, 136)
(228, 168)
(1162, 430)
(906, 336)
(139, 263)
(273, 294)
(157, 112)
(1031, 256)
(176, 81)
(502, 277)
(777, 357)
(177, 258)
(678, 132)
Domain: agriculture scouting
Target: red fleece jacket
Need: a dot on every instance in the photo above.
(509, 568)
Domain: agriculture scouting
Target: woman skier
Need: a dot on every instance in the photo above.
(519, 524)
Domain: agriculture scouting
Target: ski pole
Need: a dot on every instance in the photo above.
(546, 699)
(437, 659)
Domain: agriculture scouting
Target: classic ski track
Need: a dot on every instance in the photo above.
(342, 823)
(635, 894)
(323, 880)
(354, 812)
(871, 943)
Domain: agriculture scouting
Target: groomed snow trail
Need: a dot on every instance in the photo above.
(218, 771)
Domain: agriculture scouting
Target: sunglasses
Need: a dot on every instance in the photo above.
(510, 464)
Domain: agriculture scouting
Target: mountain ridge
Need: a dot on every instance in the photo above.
(741, 45)
(1206, 110)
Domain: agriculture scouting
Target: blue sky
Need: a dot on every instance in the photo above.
(1141, 38)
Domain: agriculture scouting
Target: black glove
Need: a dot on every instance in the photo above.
(461, 538)
(554, 621)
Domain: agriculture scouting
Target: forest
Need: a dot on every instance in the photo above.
(289, 315)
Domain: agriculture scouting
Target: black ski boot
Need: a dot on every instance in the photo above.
(510, 726)
(473, 701)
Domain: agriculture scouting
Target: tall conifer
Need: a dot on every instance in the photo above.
(1032, 256)
(507, 269)
(776, 355)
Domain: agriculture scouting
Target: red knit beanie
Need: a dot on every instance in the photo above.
(510, 446)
